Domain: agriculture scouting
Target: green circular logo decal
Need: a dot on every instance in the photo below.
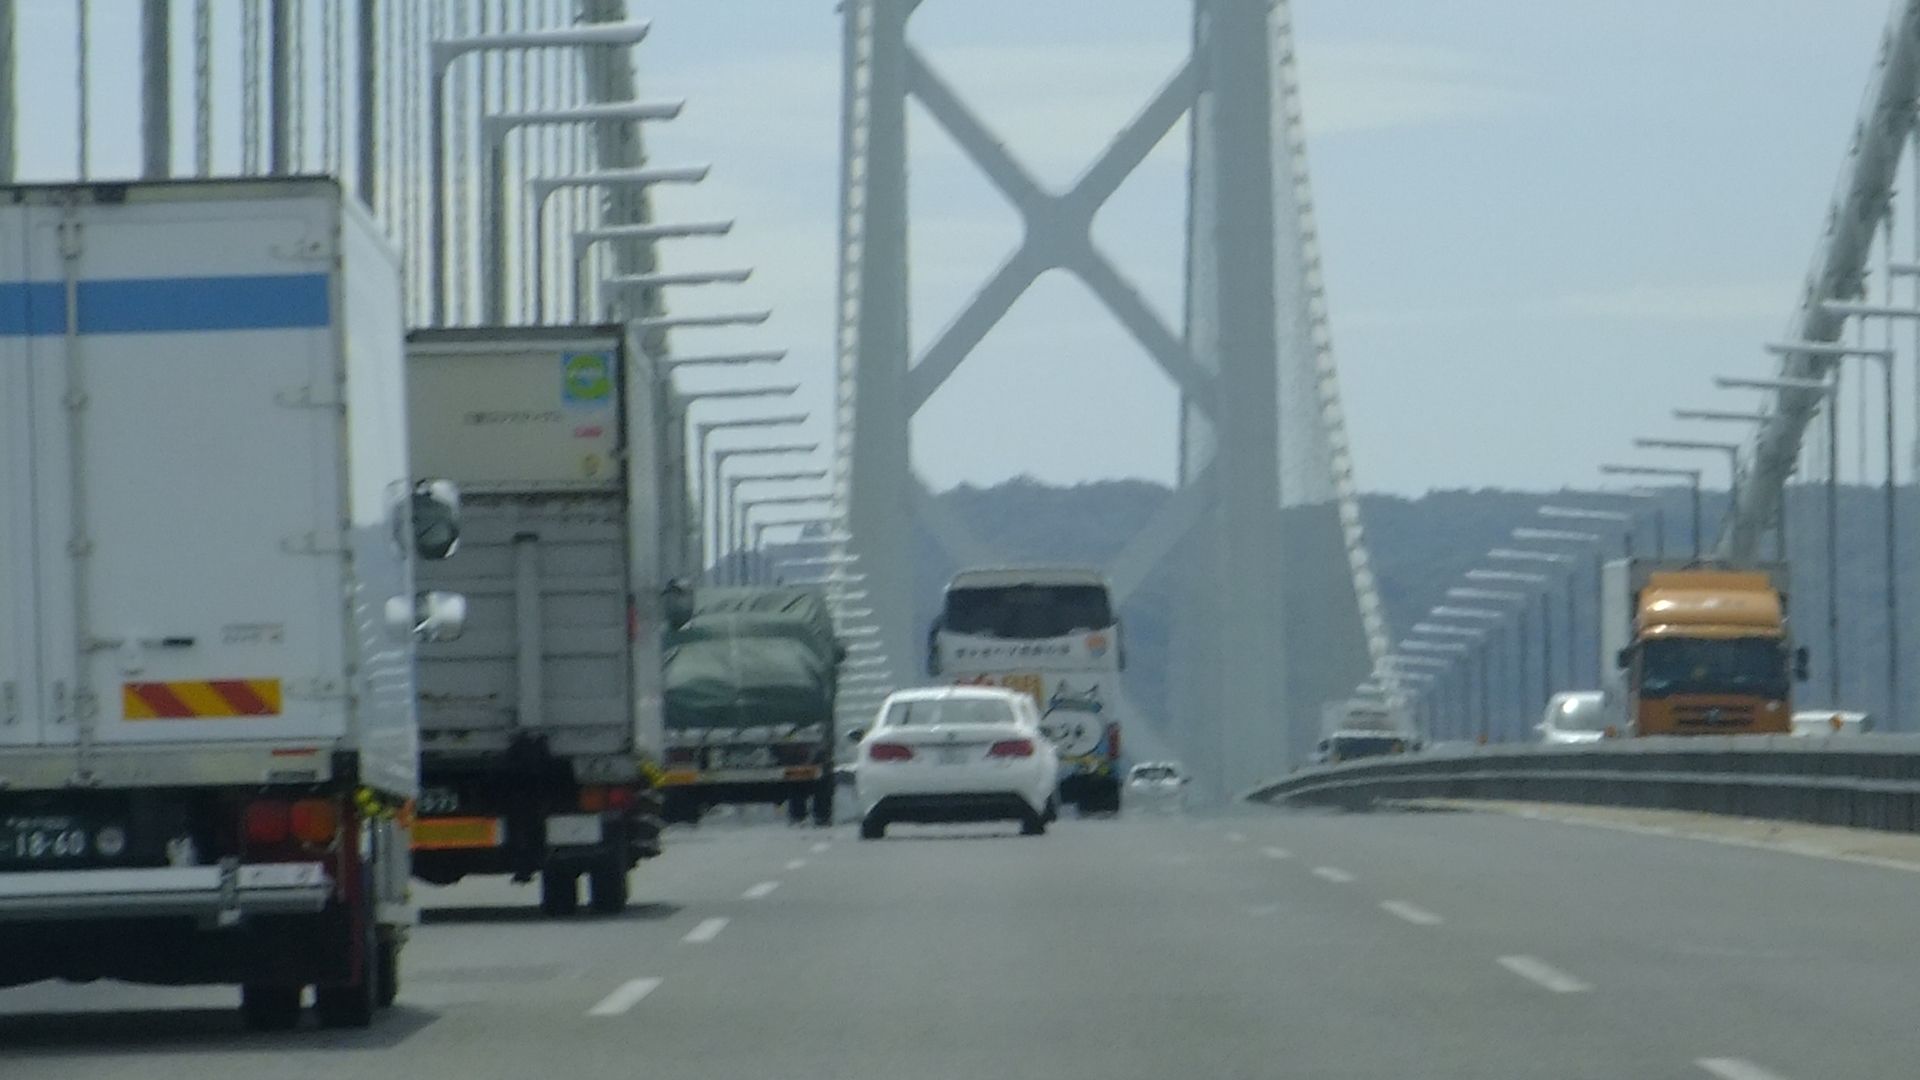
(588, 377)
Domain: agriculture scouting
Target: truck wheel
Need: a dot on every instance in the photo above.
(797, 810)
(872, 827)
(387, 963)
(559, 892)
(353, 1005)
(269, 1008)
(823, 803)
(607, 886)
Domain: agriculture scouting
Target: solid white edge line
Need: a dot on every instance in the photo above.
(706, 931)
(1333, 874)
(1543, 974)
(1735, 1069)
(795, 864)
(1676, 833)
(1277, 853)
(624, 998)
(1416, 915)
(757, 891)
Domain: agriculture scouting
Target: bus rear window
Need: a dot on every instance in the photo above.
(1027, 611)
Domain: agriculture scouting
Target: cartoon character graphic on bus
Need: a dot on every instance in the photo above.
(1073, 719)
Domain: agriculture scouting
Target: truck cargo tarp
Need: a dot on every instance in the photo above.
(750, 658)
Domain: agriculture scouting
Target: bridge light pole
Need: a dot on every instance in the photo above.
(734, 524)
(543, 188)
(440, 57)
(494, 130)
(1840, 352)
(1691, 476)
(1732, 450)
(1567, 563)
(722, 529)
(703, 505)
(1597, 543)
(1461, 652)
(1521, 602)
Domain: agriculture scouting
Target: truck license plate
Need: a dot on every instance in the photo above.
(439, 801)
(41, 840)
(755, 757)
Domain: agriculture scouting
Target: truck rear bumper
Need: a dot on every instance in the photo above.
(214, 893)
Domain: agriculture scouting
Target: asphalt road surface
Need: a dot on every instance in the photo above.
(1263, 944)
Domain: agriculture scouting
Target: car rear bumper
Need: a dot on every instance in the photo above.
(954, 807)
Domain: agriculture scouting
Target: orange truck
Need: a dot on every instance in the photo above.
(1698, 648)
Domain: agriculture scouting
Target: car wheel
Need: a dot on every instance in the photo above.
(388, 964)
(1033, 825)
(1053, 810)
(872, 827)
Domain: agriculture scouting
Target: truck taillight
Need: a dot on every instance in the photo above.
(620, 798)
(889, 751)
(1014, 748)
(267, 821)
(314, 821)
(1113, 742)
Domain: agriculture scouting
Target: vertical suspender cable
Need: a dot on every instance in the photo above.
(80, 71)
(202, 87)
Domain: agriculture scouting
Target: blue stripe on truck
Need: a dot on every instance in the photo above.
(168, 305)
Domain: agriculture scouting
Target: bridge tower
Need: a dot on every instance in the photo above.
(1277, 611)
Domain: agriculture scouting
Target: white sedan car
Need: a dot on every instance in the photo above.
(956, 753)
(1158, 783)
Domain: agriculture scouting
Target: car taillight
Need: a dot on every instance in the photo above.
(267, 821)
(314, 821)
(889, 751)
(1011, 748)
(1113, 742)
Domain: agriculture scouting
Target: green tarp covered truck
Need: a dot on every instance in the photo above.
(750, 681)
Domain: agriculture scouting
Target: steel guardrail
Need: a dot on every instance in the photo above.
(1869, 781)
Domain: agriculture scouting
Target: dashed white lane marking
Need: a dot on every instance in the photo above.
(626, 997)
(760, 890)
(1543, 974)
(1415, 915)
(820, 848)
(1277, 853)
(1236, 838)
(1735, 1069)
(706, 931)
(795, 864)
(1333, 874)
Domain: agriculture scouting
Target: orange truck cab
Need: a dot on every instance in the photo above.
(1707, 650)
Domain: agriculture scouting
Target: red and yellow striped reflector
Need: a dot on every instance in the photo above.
(210, 699)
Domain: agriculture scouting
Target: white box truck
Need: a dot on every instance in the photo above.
(207, 733)
(541, 726)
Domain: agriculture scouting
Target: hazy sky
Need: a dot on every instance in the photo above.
(1544, 224)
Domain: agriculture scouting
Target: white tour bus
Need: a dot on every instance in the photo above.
(1052, 633)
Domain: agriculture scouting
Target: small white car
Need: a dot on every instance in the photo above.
(1573, 717)
(956, 753)
(1822, 723)
(1158, 783)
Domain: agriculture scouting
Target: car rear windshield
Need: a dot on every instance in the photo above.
(1153, 772)
(949, 711)
(1366, 746)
